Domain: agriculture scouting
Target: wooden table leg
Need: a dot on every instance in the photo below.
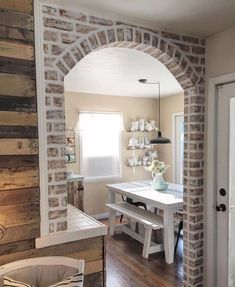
(112, 213)
(169, 235)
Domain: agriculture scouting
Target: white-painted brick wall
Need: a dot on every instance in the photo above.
(68, 37)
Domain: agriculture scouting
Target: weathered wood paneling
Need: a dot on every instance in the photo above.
(25, 6)
(17, 246)
(15, 178)
(19, 119)
(18, 146)
(18, 104)
(16, 132)
(19, 214)
(95, 278)
(16, 196)
(16, 34)
(19, 166)
(88, 255)
(17, 85)
(15, 19)
(16, 50)
(94, 266)
(17, 66)
(62, 250)
(9, 161)
(20, 233)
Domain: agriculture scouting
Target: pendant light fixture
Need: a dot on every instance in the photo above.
(159, 139)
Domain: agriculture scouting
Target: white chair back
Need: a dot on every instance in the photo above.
(49, 269)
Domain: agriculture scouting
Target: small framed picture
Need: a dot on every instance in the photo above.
(70, 142)
(70, 158)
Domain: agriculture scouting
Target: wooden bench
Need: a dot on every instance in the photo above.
(149, 220)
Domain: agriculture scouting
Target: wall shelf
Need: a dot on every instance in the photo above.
(137, 131)
(137, 148)
(142, 151)
(137, 165)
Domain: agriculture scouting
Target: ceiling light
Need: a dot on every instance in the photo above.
(159, 139)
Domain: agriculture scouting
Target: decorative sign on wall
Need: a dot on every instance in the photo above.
(70, 146)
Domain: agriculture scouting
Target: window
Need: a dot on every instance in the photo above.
(178, 147)
(100, 138)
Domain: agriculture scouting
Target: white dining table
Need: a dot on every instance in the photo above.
(169, 201)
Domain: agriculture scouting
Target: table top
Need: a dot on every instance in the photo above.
(142, 191)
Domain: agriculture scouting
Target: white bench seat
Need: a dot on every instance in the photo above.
(143, 216)
(149, 220)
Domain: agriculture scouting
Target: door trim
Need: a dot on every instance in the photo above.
(43, 169)
(174, 115)
(210, 196)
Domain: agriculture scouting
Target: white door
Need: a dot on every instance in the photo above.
(225, 186)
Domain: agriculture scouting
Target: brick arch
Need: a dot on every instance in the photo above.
(139, 39)
(192, 82)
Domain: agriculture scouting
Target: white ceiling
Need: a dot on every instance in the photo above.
(196, 17)
(115, 71)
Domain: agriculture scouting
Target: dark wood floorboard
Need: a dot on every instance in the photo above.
(127, 268)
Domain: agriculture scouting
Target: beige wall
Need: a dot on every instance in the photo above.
(220, 53)
(131, 108)
(169, 106)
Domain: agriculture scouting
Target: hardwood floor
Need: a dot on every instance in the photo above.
(127, 268)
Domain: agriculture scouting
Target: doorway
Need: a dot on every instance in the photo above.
(225, 171)
(84, 105)
(221, 186)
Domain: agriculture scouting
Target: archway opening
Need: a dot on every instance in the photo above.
(106, 82)
(190, 80)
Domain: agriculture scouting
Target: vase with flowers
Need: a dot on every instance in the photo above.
(158, 168)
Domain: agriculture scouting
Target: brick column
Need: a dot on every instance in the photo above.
(193, 187)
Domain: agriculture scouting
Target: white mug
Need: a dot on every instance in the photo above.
(141, 125)
(130, 161)
(145, 159)
(153, 123)
(133, 142)
(134, 126)
(148, 127)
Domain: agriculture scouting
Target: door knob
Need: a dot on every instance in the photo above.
(221, 207)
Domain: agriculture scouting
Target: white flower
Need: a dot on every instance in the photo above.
(157, 167)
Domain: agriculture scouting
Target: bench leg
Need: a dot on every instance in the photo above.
(147, 241)
(169, 235)
(112, 218)
(132, 225)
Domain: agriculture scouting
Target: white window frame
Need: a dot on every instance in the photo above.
(104, 178)
(174, 154)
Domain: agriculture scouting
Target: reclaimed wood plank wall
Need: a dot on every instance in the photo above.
(19, 164)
